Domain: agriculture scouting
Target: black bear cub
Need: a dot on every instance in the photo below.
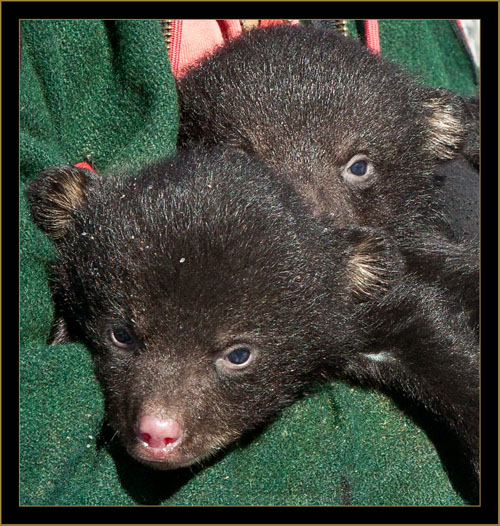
(210, 298)
(356, 136)
(361, 141)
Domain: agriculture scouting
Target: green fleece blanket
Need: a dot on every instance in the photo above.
(103, 90)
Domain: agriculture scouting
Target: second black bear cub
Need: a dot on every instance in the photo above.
(356, 136)
(210, 299)
(361, 141)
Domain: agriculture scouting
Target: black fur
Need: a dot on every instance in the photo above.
(306, 101)
(458, 182)
(208, 250)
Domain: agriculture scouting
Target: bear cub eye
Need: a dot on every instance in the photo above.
(237, 357)
(121, 337)
(358, 170)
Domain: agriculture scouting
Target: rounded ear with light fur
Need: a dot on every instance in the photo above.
(471, 146)
(55, 195)
(374, 263)
(452, 124)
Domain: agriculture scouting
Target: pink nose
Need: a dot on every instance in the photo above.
(157, 433)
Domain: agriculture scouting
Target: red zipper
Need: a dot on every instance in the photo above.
(172, 31)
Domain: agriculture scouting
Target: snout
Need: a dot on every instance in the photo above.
(158, 437)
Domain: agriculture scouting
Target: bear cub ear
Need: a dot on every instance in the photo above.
(55, 195)
(375, 264)
(448, 123)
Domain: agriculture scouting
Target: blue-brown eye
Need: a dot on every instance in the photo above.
(122, 337)
(239, 356)
(236, 358)
(359, 171)
(359, 168)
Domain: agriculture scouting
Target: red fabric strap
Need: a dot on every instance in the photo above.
(372, 36)
(85, 166)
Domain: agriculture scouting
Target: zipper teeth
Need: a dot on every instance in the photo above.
(341, 26)
(246, 26)
(166, 29)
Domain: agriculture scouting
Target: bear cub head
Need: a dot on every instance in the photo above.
(208, 297)
(355, 135)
